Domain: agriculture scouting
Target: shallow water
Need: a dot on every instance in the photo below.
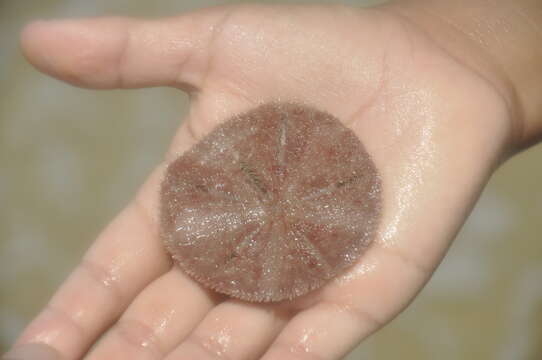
(70, 159)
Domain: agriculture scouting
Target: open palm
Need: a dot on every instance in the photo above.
(434, 128)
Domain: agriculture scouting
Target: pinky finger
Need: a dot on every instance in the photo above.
(350, 310)
(301, 342)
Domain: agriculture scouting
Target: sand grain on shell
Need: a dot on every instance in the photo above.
(271, 204)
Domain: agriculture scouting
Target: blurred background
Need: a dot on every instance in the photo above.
(70, 159)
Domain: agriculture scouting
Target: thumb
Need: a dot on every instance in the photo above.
(116, 52)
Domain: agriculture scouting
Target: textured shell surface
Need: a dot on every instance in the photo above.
(271, 204)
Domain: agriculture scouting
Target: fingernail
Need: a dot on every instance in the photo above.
(32, 352)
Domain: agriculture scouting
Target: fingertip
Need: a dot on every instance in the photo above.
(44, 44)
(78, 51)
(29, 38)
(32, 352)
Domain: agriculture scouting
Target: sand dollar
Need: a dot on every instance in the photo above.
(271, 204)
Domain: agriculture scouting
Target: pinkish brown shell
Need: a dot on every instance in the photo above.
(271, 204)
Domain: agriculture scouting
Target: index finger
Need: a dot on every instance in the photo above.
(124, 259)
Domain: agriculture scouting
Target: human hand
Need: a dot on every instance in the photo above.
(435, 128)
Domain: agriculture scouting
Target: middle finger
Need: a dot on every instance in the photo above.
(158, 319)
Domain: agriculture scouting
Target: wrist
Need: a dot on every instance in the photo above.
(494, 39)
